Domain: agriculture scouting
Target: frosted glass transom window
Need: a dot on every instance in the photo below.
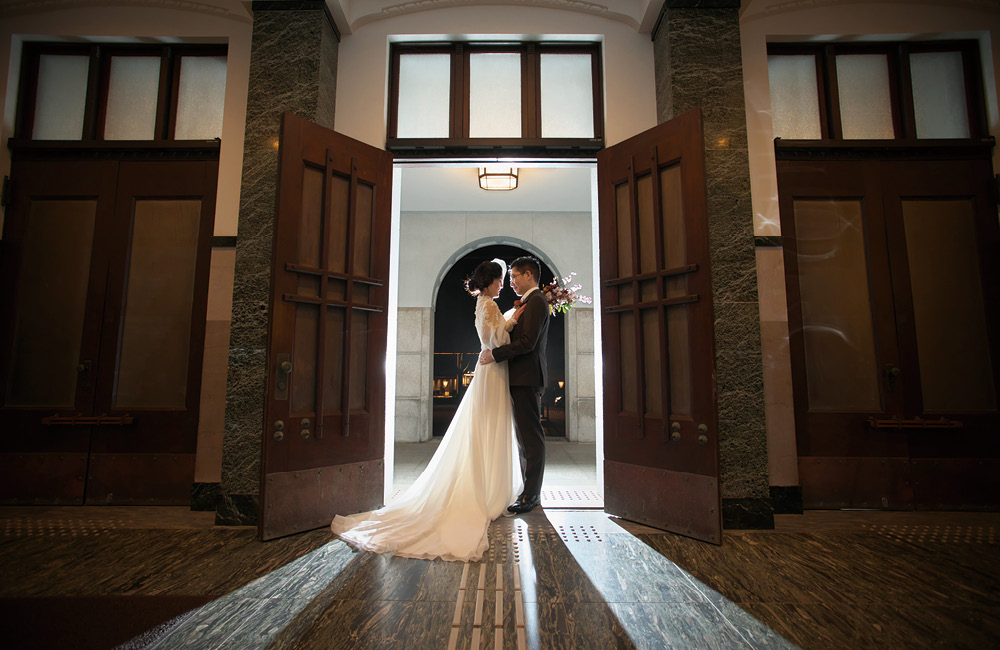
(132, 98)
(61, 98)
(938, 80)
(567, 96)
(495, 95)
(794, 97)
(424, 94)
(200, 98)
(865, 103)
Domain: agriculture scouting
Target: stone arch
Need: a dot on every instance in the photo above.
(483, 242)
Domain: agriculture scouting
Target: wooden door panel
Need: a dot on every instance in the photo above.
(93, 301)
(154, 334)
(325, 409)
(943, 241)
(661, 431)
(839, 309)
(55, 268)
(944, 237)
(924, 238)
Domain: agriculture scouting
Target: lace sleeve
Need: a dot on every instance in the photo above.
(491, 325)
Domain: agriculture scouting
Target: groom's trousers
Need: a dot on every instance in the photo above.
(527, 407)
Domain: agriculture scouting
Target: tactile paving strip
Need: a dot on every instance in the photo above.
(560, 497)
(942, 534)
(24, 527)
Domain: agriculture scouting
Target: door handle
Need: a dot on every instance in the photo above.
(84, 371)
(892, 374)
(283, 370)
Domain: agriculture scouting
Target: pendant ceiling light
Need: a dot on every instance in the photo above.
(494, 178)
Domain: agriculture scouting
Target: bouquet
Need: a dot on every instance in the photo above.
(561, 296)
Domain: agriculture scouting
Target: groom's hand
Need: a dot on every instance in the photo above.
(485, 357)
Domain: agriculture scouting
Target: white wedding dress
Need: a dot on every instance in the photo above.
(471, 479)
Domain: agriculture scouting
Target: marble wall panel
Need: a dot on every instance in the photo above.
(734, 265)
(664, 81)
(290, 50)
(698, 64)
(740, 389)
(706, 70)
(327, 97)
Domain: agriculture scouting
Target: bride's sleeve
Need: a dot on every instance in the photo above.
(494, 327)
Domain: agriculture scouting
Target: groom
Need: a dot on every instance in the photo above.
(528, 377)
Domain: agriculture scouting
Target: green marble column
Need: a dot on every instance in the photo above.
(699, 64)
(293, 67)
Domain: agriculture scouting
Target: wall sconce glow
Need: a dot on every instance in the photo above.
(498, 178)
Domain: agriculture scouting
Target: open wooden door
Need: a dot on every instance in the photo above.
(661, 444)
(325, 395)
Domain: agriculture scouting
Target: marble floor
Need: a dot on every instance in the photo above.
(570, 471)
(555, 578)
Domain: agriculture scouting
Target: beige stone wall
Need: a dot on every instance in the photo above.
(414, 374)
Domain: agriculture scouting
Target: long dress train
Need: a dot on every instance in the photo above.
(471, 479)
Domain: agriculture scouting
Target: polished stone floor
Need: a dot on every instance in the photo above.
(570, 471)
(555, 578)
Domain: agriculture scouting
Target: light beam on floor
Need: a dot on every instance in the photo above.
(657, 603)
(253, 616)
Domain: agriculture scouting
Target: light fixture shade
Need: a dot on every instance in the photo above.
(498, 179)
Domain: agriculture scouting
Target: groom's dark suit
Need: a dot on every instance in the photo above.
(528, 371)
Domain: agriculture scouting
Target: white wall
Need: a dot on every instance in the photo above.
(430, 240)
(629, 88)
(207, 21)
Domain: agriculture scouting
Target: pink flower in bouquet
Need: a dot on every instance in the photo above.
(562, 296)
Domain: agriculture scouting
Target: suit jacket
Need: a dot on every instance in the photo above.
(526, 351)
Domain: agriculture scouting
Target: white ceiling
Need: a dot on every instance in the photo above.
(349, 15)
(456, 189)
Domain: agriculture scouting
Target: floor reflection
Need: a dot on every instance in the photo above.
(252, 616)
(572, 579)
(656, 602)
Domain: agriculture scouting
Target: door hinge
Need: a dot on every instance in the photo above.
(5, 192)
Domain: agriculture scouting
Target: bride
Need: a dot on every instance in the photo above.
(475, 472)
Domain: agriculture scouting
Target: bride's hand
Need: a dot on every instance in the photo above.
(517, 314)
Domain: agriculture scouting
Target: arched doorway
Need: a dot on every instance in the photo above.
(456, 345)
